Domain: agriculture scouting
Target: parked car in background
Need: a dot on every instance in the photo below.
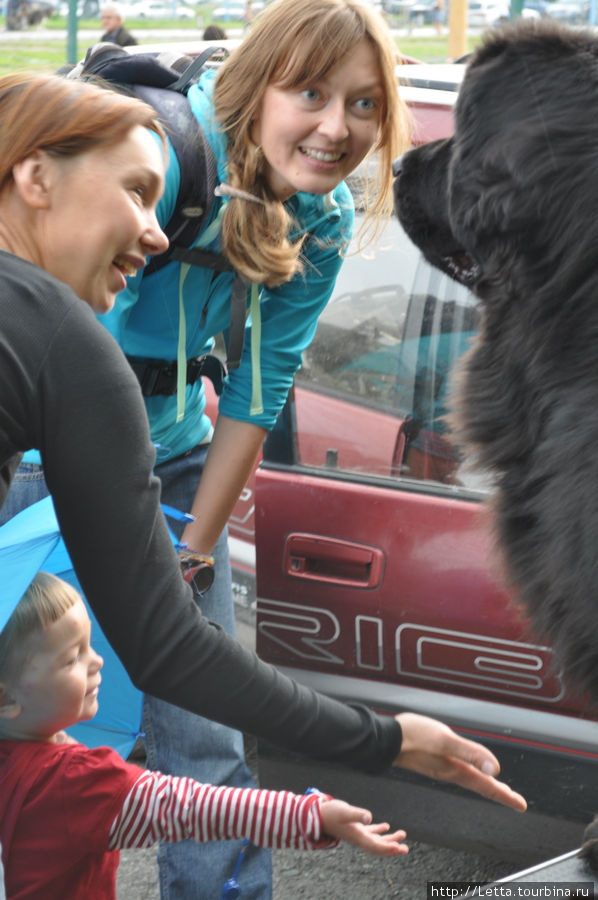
(20, 14)
(86, 9)
(486, 13)
(159, 9)
(571, 12)
(397, 7)
(366, 534)
(422, 12)
(235, 11)
(538, 6)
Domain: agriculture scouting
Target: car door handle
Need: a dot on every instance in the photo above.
(334, 561)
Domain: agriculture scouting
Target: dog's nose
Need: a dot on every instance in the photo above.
(397, 166)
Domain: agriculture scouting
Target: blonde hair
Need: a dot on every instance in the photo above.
(294, 43)
(63, 117)
(45, 601)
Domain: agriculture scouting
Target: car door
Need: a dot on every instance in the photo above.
(375, 559)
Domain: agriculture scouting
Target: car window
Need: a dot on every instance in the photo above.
(371, 395)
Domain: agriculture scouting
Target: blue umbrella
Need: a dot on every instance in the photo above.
(29, 542)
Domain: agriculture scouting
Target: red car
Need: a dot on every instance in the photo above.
(376, 576)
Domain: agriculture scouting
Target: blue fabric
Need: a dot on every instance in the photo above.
(32, 456)
(29, 542)
(145, 318)
(181, 743)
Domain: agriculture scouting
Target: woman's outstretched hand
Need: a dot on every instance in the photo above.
(348, 823)
(433, 749)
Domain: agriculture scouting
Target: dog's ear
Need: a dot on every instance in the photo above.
(524, 174)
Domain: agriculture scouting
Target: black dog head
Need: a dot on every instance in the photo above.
(509, 205)
(496, 189)
(425, 218)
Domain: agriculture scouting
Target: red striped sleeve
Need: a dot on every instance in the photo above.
(165, 808)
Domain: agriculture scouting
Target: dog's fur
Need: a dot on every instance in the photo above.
(509, 205)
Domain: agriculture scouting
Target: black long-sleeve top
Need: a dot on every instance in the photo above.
(67, 390)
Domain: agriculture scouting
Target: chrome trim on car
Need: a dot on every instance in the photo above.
(511, 722)
(241, 553)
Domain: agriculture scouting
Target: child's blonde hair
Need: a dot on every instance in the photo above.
(293, 43)
(46, 599)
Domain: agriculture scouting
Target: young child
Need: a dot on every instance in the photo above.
(66, 810)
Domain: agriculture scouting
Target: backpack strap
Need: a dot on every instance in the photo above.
(197, 166)
(194, 69)
(195, 256)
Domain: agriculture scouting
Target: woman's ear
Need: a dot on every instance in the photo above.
(9, 708)
(33, 178)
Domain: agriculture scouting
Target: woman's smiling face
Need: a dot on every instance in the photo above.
(313, 136)
(101, 223)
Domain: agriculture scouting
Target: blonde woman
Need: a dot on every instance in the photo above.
(309, 94)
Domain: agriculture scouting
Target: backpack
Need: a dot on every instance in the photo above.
(162, 80)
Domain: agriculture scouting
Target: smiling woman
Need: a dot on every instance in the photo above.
(309, 93)
(312, 137)
(117, 186)
(78, 193)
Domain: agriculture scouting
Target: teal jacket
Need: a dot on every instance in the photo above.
(181, 309)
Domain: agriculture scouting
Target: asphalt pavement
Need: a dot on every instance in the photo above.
(341, 874)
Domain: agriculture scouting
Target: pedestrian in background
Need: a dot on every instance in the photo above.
(438, 16)
(214, 33)
(114, 30)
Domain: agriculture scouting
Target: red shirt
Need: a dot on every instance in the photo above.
(66, 810)
(57, 803)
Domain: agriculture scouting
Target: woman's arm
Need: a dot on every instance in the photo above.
(67, 390)
(231, 458)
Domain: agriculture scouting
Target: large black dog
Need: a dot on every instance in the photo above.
(509, 206)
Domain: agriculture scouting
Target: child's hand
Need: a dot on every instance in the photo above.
(354, 825)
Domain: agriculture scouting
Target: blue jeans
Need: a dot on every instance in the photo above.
(27, 487)
(181, 743)
(178, 742)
